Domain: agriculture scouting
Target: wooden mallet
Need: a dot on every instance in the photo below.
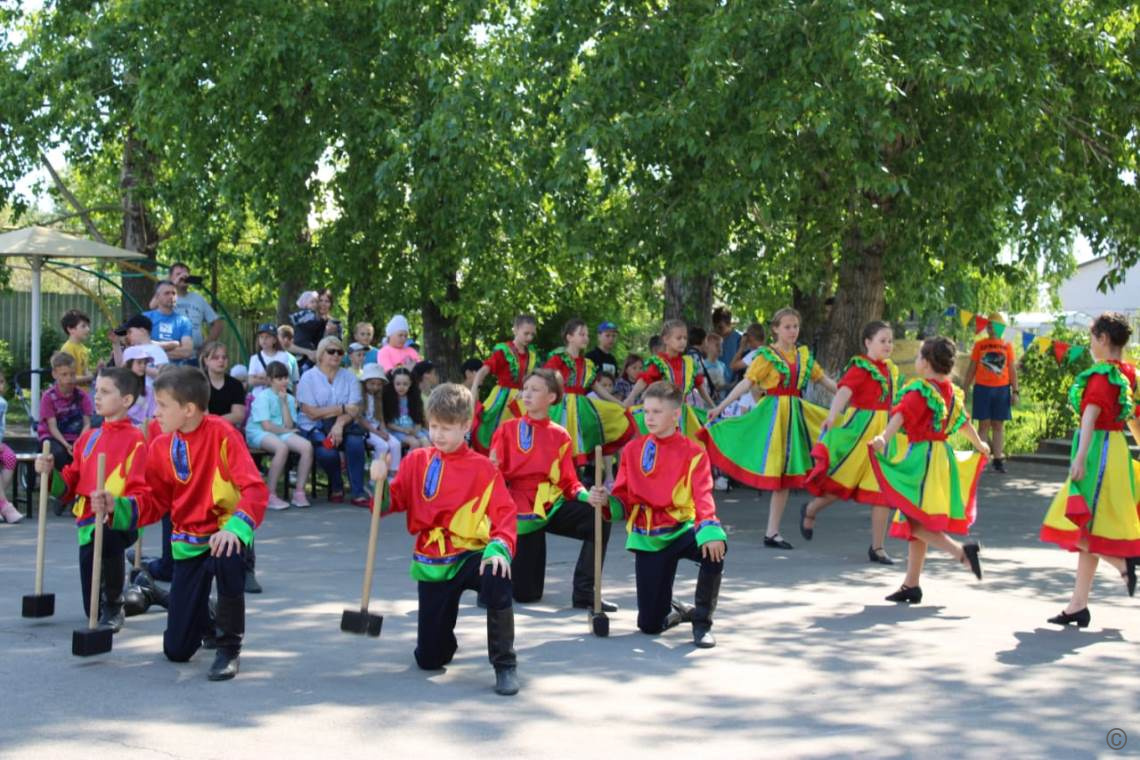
(39, 604)
(93, 640)
(362, 621)
(599, 623)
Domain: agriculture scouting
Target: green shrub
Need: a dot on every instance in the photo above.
(1045, 384)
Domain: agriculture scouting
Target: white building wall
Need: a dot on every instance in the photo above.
(1079, 293)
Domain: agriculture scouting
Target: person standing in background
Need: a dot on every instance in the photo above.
(602, 355)
(993, 373)
(722, 325)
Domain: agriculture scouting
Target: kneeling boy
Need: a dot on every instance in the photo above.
(664, 489)
(464, 518)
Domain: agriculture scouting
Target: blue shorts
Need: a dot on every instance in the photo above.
(992, 403)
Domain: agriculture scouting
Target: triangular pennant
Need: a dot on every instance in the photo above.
(951, 311)
(1074, 354)
(1026, 339)
(965, 316)
(980, 323)
(999, 328)
(1060, 348)
(1042, 344)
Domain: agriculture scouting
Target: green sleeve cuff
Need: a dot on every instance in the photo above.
(583, 494)
(617, 510)
(126, 514)
(238, 525)
(711, 531)
(58, 487)
(497, 549)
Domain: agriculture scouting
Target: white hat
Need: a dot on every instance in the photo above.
(356, 347)
(239, 372)
(137, 352)
(398, 323)
(372, 371)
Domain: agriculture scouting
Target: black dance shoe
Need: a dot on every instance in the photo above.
(1080, 617)
(1130, 574)
(907, 595)
(777, 542)
(506, 681)
(971, 553)
(703, 638)
(807, 533)
(225, 666)
(879, 555)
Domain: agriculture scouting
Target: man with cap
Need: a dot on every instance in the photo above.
(170, 330)
(993, 372)
(602, 354)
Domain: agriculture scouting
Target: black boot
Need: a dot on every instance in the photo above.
(681, 613)
(250, 557)
(501, 650)
(582, 596)
(114, 574)
(708, 590)
(230, 625)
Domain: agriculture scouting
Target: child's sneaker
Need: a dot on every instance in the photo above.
(276, 503)
(721, 483)
(299, 498)
(10, 513)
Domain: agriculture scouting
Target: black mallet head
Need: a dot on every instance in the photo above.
(39, 605)
(599, 624)
(91, 641)
(361, 622)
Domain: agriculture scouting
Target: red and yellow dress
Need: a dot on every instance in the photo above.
(770, 446)
(457, 506)
(1101, 508)
(207, 481)
(931, 485)
(842, 458)
(682, 371)
(509, 365)
(535, 459)
(125, 476)
(664, 489)
(590, 422)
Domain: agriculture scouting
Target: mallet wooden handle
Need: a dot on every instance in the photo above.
(41, 527)
(373, 535)
(97, 555)
(599, 476)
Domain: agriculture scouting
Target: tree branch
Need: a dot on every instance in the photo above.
(81, 211)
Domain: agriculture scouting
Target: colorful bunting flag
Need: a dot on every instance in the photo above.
(1042, 344)
(980, 323)
(1074, 354)
(965, 316)
(951, 311)
(999, 328)
(1026, 338)
(1060, 349)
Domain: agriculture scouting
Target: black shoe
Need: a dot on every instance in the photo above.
(703, 638)
(907, 594)
(607, 606)
(999, 465)
(807, 533)
(225, 666)
(506, 682)
(681, 613)
(1130, 574)
(879, 555)
(251, 584)
(777, 542)
(1080, 617)
(136, 601)
(112, 618)
(971, 552)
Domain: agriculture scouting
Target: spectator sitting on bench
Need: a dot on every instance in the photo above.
(7, 461)
(65, 410)
(272, 428)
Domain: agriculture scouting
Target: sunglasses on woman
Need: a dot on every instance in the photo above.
(334, 351)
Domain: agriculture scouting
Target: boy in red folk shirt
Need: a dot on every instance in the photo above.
(535, 456)
(200, 471)
(457, 504)
(664, 488)
(115, 392)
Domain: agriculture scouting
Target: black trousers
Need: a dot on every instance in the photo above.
(115, 543)
(655, 574)
(439, 609)
(574, 519)
(60, 457)
(163, 569)
(188, 614)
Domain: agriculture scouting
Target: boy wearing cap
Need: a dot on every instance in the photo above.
(602, 354)
(269, 350)
(993, 372)
(355, 358)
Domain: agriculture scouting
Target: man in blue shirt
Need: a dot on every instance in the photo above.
(171, 331)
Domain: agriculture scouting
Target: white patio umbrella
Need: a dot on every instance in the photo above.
(38, 244)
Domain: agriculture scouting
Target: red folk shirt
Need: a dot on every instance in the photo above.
(535, 458)
(573, 372)
(125, 475)
(918, 416)
(676, 364)
(1098, 390)
(867, 391)
(664, 488)
(207, 481)
(457, 504)
(500, 366)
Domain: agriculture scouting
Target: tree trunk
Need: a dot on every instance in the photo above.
(859, 299)
(139, 233)
(441, 339)
(689, 297)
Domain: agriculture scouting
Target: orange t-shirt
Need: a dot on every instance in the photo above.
(993, 358)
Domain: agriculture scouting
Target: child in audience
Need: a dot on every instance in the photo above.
(270, 349)
(7, 461)
(356, 354)
(272, 428)
(373, 380)
(404, 409)
(65, 410)
(630, 371)
(77, 326)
